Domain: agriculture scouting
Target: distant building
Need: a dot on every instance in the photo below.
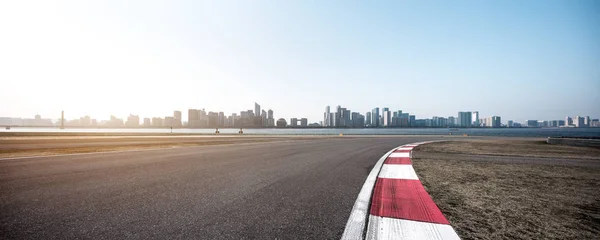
(147, 122)
(387, 117)
(270, 119)
(169, 122)
(375, 117)
(496, 122)
(587, 122)
(293, 122)
(579, 121)
(303, 122)
(510, 123)
(368, 119)
(157, 122)
(594, 123)
(281, 123)
(451, 121)
(475, 119)
(256, 109)
(193, 118)
(177, 119)
(326, 117)
(568, 121)
(532, 123)
(464, 119)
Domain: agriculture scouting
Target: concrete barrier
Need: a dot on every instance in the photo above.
(574, 142)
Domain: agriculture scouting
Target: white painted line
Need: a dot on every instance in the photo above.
(398, 171)
(400, 154)
(405, 148)
(391, 228)
(358, 217)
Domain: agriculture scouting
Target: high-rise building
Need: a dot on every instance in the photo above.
(264, 118)
(147, 122)
(338, 116)
(464, 119)
(133, 121)
(177, 119)
(579, 121)
(193, 118)
(496, 122)
(221, 119)
(510, 123)
(303, 122)
(532, 123)
(270, 119)
(368, 119)
(346, 114)
(294, 122)
(157, 122)
(256, 109)
(451, 121)
(326, 117)
(202, 118)
(331, 120)
(587, 122)
(375, 117)
(387, 117)
(568, 121)
(475, 118)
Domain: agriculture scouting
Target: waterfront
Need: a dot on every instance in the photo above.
(507, 132)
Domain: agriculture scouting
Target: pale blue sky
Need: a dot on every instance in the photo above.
(517, 59)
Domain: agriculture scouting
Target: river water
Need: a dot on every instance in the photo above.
(512, 132)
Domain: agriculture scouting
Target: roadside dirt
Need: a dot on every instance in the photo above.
(527, 198)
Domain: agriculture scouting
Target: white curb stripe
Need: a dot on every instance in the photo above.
(391, 228)
(358, 217)
(400, 154)
(398, 171)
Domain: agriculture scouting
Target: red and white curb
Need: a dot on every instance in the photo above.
(393, 204)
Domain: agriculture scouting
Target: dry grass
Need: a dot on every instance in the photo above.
(528, 148)
(488, 200)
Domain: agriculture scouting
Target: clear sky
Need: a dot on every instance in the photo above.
(517, 59)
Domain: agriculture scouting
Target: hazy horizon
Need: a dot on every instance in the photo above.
(518, 60)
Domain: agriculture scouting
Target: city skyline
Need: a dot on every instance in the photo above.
(339, 117)
(505, 58)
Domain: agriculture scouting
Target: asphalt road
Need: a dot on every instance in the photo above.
(286, 190)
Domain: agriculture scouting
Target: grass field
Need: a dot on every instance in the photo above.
(499, 200)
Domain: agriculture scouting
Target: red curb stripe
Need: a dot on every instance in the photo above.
(404, 199)
(403, 150)
(398, 160)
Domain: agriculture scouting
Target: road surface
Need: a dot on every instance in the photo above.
(285, 189)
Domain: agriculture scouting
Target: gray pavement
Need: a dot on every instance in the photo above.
(285, 190)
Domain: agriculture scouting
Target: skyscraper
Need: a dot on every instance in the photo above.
(475, 118)
(326, 119)
(368, 119)
(375, 117)
(193, 118)
(177, 117)
(270, 119)
(568, 121)
(464, 119)
(387, 117)
(338, 116)
(256, 109)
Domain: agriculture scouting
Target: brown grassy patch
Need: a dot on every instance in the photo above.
(530, 148)
(488, 200)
